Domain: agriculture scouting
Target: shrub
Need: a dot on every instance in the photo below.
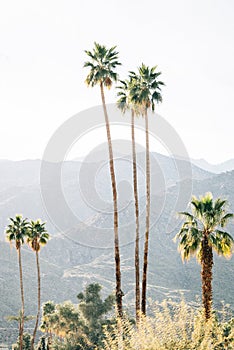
(173, 326)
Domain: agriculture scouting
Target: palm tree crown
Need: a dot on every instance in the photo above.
(37, 235)
(102, 65)
(208, 219)
(17, 230)
(145, 87)
(127, 97)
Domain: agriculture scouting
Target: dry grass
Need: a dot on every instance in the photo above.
(173, 327)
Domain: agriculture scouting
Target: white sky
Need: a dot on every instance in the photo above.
(42, 47)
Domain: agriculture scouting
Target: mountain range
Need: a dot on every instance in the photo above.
(214, 168)
(80, 250)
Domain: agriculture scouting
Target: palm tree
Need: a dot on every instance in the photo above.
(124, 103)
(19, 318)
(145, 91)
(48, 311)
(102, 64)
(17, 231)
(37, 237)
(201, 233)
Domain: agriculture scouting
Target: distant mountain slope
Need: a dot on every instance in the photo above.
(214, 168)
(220, 185)
(20, 190)
(84, 254)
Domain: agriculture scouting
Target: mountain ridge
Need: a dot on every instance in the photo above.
(84, 253)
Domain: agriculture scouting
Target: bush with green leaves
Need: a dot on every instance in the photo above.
(26, 342)
(75, 327)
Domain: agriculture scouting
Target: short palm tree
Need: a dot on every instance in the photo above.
(124, 103)
(17, 231)
(19, 318)
(37, 237)
(145, 92)
(102, 65)
(48, 310)
(201, 233)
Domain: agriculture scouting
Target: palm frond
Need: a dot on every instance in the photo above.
(222, 242)
(37, 235)
(145, 90)
(206, 218)
(225, 219)
(220, 203)
(17, 230)
(102, 65)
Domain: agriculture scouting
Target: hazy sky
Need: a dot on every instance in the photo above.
(42, 47)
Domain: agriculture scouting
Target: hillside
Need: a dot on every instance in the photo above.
(20, 185)
(84, 252)
(214, 168)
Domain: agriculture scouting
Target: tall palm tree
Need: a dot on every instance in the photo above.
(17, 231)
(145, 91)
(102, 65)
(37, 237)
(201, 233)
(124, 103)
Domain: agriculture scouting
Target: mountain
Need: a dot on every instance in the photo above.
(85, 187)
(214, 168)
(83, 252)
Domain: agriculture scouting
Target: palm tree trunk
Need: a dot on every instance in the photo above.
(21, 331)
(206, 275)
(147, 219)
(119, 293)
(137, 269)
(38, 299)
